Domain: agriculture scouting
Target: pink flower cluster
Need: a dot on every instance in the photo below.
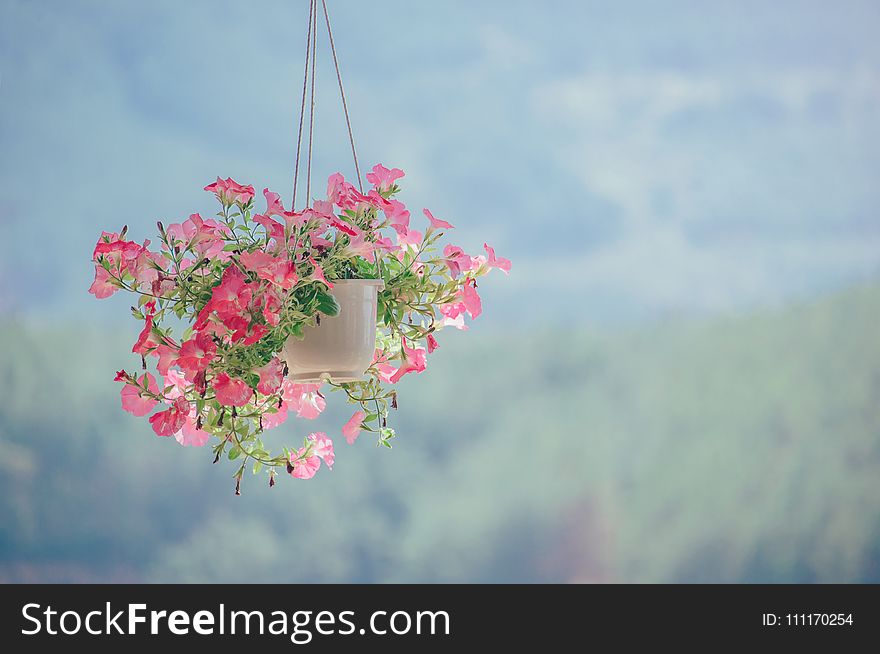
(232, 280)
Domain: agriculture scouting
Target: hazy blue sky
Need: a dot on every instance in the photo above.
(634, 159)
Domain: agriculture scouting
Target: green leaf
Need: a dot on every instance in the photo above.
(327, 304)
(234, 453)
(257, 466)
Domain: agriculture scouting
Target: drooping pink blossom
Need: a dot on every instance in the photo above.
(272, 420)
(386, 371)
(305, 399)
(170, 421)
(303, 467)
(382, 178)
(196, 354)
(322, 446)
(436, 223)
(231, 392)
(146, 340)
(352, 429)
(271, 376)
(496, 262)
(471, 299)
(415, 361)
(103, 286)
(432, 343)
(133, 399)
(190, 434)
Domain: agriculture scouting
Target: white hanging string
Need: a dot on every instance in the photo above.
(309, 76)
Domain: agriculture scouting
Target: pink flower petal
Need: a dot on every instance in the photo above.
(231, 392)
(437, 223)
(352, 429)
(135, 403)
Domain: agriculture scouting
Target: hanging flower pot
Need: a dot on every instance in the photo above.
(277, 305)
(341, 347)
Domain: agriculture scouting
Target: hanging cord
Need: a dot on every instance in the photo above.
(314, 30)
(309, 71)
(302, 109)
(342, 93)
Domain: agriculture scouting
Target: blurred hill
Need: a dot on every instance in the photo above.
(740, 449)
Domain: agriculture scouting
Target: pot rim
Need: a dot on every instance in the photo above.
(363, 282)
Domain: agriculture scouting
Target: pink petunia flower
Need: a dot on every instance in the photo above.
(196, 354)
(305, 399)
(170, 421)
(103, 286)
(167, 357)
(228, 191)
(415, 361)
(436, 223)
(382, 178)
(322, 447)
(133, 399)
(190, 435)
(272, 420)
(471, 299)
(352, 429)
(231, 392)
(278, 270)
(496, 262)
(271, 376)
(456, 260)
(274, 206)
(303, 468)
(432, 343)
(397, 215)
(146, 340)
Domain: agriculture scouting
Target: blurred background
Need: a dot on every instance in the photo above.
(679, 381)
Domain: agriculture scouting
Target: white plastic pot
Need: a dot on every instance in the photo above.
(341, 347)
